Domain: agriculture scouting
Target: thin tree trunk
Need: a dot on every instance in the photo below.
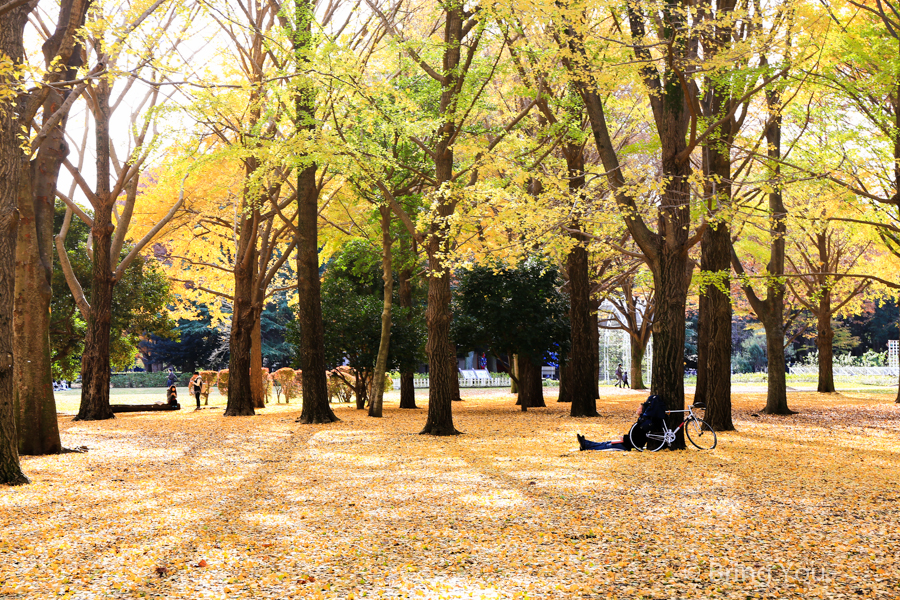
(564, 394)
(257, 384)
(531, 388)
(825, 343)
(375, 405)
(361, 391)
(595, 350)
(776, 401)
(95, 365)
(702, 341)
(11, 162)
(513, 374)
(407, 383)
(637, 364)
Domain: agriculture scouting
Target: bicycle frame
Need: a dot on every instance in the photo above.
(670, 434)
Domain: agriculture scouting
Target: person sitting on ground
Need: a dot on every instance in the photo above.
(172, 396)
(651, 412)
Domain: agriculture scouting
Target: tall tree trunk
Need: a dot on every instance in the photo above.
(637, 363)
(12, 46)
(717, 391)
(581, 382)
(244, 315)
(531, 388)
(361, 391)
(595, 350)
(702, 341)
(441, 355)
(37, 425)
(95, 364)
(36, 421)
(564, 393)
(444, 382)
(513, 374)
(375, 405)
(257, 385)
(776, 399)
(407, 384)
(316, 408)
(825, 343)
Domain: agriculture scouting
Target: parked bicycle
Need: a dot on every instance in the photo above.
(697, 431)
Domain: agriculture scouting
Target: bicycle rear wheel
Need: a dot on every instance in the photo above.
(700, 434)
(651, 441)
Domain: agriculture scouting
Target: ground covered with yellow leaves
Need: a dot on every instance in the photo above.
(196, 505)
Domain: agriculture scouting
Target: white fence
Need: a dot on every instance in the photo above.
(464, 382)
(847, 371)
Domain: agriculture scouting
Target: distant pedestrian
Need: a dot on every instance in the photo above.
(196, 386)
(172, 379)
(625, 383)
(619, 381)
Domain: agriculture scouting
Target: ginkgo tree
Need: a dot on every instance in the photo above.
(156, 30)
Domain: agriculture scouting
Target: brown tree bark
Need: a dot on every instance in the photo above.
(257, 385)
(564, 394)
(316, 408)
(531, 388)
(37, 425)
(770, 310)
(581, 387)
(377, 402)
(443, 376)
(714, 368)
(245, 309)
(407, 385)
(581, 384)
(595, 349)
(513, 374)
(825, 344)
(36, 421)
(95, 365)
(11, 45)
(667, 249)
(638, 349)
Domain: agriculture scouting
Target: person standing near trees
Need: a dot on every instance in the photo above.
(195, 385)
(172, 379)
(619, 381)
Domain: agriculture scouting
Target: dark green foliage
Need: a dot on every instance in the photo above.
(141, 379)
(139, 307)
(517, 310)
(351, 313)
(192, 347)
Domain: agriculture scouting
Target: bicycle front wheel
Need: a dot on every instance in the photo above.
(651, 441)
(700, 434)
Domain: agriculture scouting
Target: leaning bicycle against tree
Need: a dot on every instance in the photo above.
(651, 431)
(658, 434)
